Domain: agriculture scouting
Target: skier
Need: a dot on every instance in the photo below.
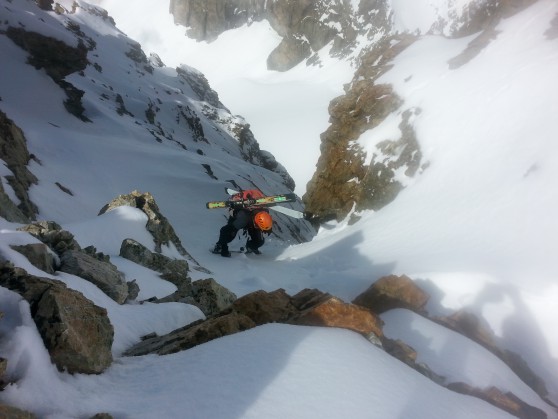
(254, 220)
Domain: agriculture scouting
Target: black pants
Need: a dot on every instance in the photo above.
(239, 220)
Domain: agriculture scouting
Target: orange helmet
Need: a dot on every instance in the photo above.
(263, 220)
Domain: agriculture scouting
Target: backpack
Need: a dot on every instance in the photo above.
(248, 194)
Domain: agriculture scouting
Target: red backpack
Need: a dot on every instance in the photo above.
(248, 194)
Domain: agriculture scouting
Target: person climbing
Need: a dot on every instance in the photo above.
(253, 219)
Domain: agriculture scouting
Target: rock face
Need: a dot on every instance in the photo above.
(319, 309)
(157, 224)
(52, 234)
(58, 60)
(38, 255)
(76, 332)
(306, 26)
(103, 274)
(308, 308)
(346, 175)
(469, 325)
(210, 296)
(14, 413)
(172, 270)
(391, 292)
(508, 401)
(193, 335)
(14, 153)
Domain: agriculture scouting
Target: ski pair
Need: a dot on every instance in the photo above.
(267, 201)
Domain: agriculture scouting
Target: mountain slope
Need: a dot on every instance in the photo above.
(132, 108)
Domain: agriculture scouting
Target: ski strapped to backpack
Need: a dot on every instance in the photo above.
(253, 202)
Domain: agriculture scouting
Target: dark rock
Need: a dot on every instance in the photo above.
(133, 290)
(102, 416)
(192, 335)
(200, 86)
(266, 307)
(206, 19)
(14, 153)
(288, 54)
(138, 253)
(52, 235)
(406, 354)
(10, 412)
(104, 275)
(38, 255)
(210, 296)
(391, 292)
(45, 4)
(507, 401)
(77, 334)
(468, 324)
(261, 307)
(172, 270)
(57, 59)
(400, 350)
(3, 367)
(157, 224)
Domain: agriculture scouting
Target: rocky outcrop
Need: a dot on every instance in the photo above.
(199, 85)
(308, 308)
(316, 308)
(52, 234)
(210, 296)
(103, 274)
(305, 26)
(192, 335)
(252, 153)
(10, 412)
(39, 255)
(468, 324)
(77, 334)
(506, 401)
(69, 257)
(157, 224)
(14, 153)
(346, 175)
(206, 19)
(57, 59)
(172, 270)
(391, 292)
(309, 25)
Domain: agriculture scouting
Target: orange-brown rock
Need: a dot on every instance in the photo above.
(265, 307)
(332, 312)
(391, 292)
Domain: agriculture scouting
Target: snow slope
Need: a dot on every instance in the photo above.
(475, 230)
